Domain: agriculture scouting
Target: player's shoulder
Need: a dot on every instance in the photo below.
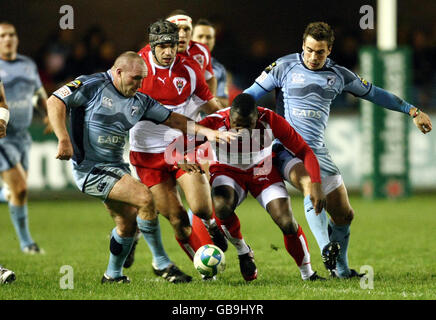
(217, 65)
(25, 59)
(344, 72)
(284, 63)
(144, 51)
(183, 62)
(201, 47)
(265, 113)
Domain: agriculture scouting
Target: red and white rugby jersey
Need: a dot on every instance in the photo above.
(180, 87)
(257, 148)
(200, 53)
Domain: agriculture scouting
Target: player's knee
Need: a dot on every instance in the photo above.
(180, 225)
(202, 210)
(145, 200)
(349, 216)
(19, 192)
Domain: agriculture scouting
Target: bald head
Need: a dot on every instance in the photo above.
(128, 71)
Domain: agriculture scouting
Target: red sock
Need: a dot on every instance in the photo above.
(200, 230)
(231, 225)
(296, 245)
(191, 245)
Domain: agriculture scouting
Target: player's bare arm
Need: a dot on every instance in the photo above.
(41, 105)
(56, 111)
(212, 84)
(179, 121)
(211, 106)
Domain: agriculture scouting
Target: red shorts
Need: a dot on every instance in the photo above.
(263, 187)
(152, 168)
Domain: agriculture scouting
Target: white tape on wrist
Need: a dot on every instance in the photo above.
(4, 114)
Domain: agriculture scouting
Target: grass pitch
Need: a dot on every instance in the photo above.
(396, 238)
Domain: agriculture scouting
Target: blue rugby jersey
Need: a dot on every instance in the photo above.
(21, 80)
(304, 96)
(221, 77)
(101, 117)
(307, 94)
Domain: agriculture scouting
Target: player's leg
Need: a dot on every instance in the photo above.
(121, 239)
(169, 204)
(341, 212)
(15, 178)
(198, 195)
(227, 194)
(293, 235)
(293, 170)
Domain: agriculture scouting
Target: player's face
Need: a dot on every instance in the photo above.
(204, 35)
(165, 54)
(315, 53)
(130, 79)
(240, 123)
(185, 35)
(8, 41)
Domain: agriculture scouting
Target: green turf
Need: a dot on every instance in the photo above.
(396, 238)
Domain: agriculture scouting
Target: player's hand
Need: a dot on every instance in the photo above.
(422, 122)
(221, 136)
(2, 128)
(317, 197)
(65, 150)
(190, 167)
(48, 129)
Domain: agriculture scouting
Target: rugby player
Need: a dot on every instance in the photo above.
(204, 33)
(191, 49)
(177, 83)
(22, 85)
(246, 166)
(104, 107)
(308, 82)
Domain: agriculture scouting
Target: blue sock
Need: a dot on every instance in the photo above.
(2, 195)
(150, 229)
(318, 223)
(341, 234)
(20, 221)
(119, 250)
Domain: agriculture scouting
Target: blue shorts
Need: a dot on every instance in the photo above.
(283, 158)
(14, 149)
(99, 181)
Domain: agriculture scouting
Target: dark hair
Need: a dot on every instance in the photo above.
(243, 104)
(4, 22)
(204, 22)
(320, 31)
(162, 31)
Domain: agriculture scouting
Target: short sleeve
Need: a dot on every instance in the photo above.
(270, 77)
(153, 110)
(72, 93)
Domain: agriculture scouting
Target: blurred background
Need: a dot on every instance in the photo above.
(250, 36)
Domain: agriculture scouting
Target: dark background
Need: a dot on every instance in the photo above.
(250, 35)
